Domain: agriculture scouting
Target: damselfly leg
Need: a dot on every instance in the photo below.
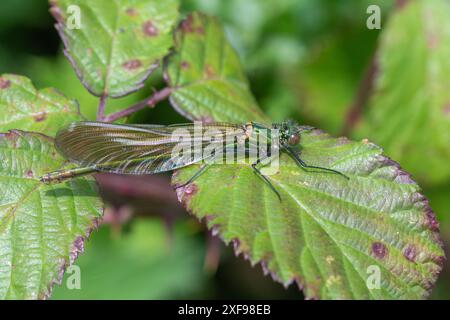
(259, 173)
(302, 164)
(195, 176)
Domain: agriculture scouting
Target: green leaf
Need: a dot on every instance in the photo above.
(51, 72)
(42, 227)
(206, 75)
(26, 108)
(118, 44)
(138, 263)
(410, 110)
(328, 232)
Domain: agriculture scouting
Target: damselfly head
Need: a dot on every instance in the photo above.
(290, 132)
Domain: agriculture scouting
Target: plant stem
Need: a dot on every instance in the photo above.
(149, 102)
(101, 108)
(401, 3)
(362, 96)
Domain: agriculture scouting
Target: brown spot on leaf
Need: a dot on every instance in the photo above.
(433, 41)
(89, 52)
(132, 12)
(188, 24)
(410, 253)
(185, 65)
(200, 30)
(13, 137)
(41, 116)
(209, 71)
(4, 83)
(379, 250)
(150, 29)
(30, 174)
(446, 109)
(132, 64)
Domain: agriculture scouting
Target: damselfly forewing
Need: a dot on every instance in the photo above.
(149, 149)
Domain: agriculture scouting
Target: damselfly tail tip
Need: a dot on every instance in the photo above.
(53, 177)
(46, 179)
(49, 178)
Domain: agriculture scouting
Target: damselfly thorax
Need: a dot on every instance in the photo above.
(149, 149)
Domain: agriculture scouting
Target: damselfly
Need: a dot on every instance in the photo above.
(149, 149)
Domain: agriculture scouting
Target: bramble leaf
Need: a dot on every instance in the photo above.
(26, 108)
(42, 227)
(206, 75)
(410, 111)
(328, 234)
(118, 43)
(58, 72)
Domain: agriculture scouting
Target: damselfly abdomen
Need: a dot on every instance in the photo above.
(149, 149)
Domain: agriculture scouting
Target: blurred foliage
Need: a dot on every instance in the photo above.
(409, 111)
(141, 262)
(57, 72)
(305, 59)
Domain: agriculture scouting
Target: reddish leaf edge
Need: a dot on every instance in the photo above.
(186, 193)
(78, 244)
(59, 26)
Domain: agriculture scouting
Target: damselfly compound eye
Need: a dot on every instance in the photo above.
(294, 139)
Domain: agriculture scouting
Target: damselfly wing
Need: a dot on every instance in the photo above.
(149, 149)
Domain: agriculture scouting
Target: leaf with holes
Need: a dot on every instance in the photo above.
(410, 111)
(206, 75)
(42, 227)
(26, 108)
(115, 45)
(373, 236)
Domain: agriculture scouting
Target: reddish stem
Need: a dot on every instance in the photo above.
(362, 96)
(101, 108)
(158, 96)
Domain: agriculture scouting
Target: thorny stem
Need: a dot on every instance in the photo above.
(362, 96)
(101, 108)
(149, 102)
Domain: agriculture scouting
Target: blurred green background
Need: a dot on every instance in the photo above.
(306, 60)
